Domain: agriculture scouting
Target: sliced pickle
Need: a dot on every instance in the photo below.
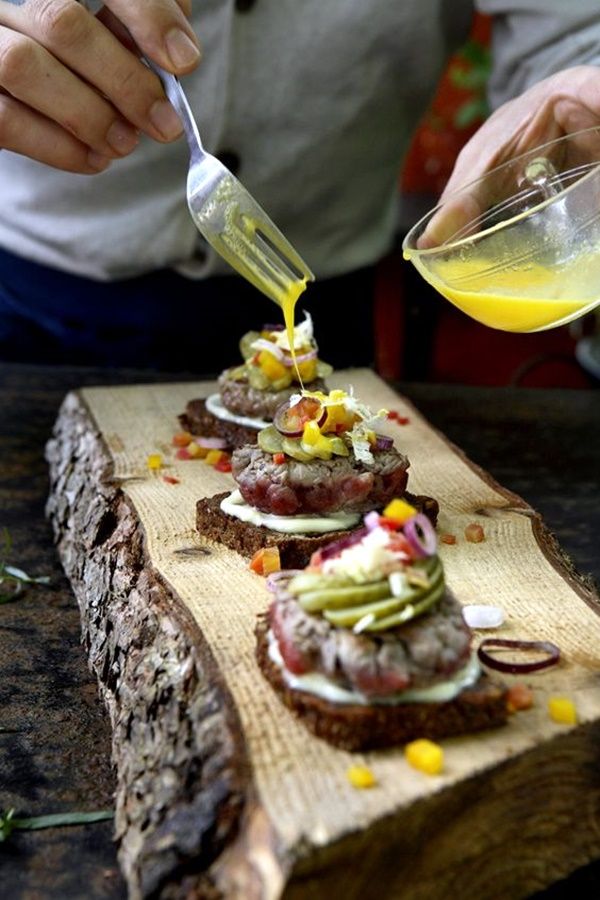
(346, 618)
(411, 611)
(343, 597)
(324, 370)
(280, 384)
(291, 446)
(339, 446)
(257, 378)
(315, 581)
(270, 440)
(246, 342)
(237, 373)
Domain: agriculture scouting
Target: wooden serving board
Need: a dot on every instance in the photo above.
(221, 790)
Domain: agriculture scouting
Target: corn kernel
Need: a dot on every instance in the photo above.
(400, 511)
(562, 710)
(154, 461)
(425, 756)
(213, 457)
(361, 777)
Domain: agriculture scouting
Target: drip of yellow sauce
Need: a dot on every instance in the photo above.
(288, 301)
(523, 300)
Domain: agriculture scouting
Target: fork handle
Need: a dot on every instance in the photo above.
(177, 98)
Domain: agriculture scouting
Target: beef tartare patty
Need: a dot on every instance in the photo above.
(419, 654)
(319, 486)
(239, 397)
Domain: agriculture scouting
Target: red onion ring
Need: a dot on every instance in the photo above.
(275, 578)
(270, 347)
(423, 544)
(211, 443)
(336, 547)
(280, 423)
(383, 442)
(516, 668)
(304, 357)
(372, 520)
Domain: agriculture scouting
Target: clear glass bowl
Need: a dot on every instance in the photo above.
(519, 248)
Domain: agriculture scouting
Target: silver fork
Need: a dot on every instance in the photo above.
(229, 218)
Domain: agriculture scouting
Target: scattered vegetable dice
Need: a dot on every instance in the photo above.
(400, 511)
(562, 710)
(425, 756)
(213, 457)
(361, 777)
(183, 453)
(265, 561)
(448, 538)
(519, 697)
(474, 533)
(181, 439)
(154, 461)
(170, 479)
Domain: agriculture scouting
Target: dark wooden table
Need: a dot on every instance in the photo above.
(54, 736)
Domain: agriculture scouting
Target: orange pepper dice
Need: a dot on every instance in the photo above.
(265, 561)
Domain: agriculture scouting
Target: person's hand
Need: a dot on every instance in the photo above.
(73, 92)
(561, 104)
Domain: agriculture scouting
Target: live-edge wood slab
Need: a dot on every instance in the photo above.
(220, 790)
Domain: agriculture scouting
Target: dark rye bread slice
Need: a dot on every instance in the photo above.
(359, 728)
(295, 550)
(199, 421)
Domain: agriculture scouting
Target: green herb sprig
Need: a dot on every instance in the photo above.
(12, 577)
(8, 823)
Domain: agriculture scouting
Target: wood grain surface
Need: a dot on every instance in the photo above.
(304, 828)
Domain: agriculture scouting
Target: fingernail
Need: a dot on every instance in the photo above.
(181, 49)
(98, 162)
(122, 137)
(165, 119)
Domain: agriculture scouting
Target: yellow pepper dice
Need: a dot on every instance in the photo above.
(562, 710)
(311, 433)
(271, 366)
(400, 511)
(213, 457)
(361, 777)
(308, 370)
(425, 756)
(154, 461)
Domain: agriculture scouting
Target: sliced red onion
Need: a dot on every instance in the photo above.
(336, 547)
(274, 580)
(518, 668)
(483, 616)
(372, 520)
(211, 443)
(303, 357)
(283, 413)
(270, 347)
(420, 534)
(383, 442)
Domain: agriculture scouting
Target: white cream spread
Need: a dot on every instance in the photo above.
(321, 686)
(235, 505)
(214, 405)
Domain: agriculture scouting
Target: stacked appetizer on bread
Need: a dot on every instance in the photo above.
(250, 394)
(369, 647)
(309, 478)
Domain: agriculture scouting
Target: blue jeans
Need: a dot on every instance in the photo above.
(164, 321)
